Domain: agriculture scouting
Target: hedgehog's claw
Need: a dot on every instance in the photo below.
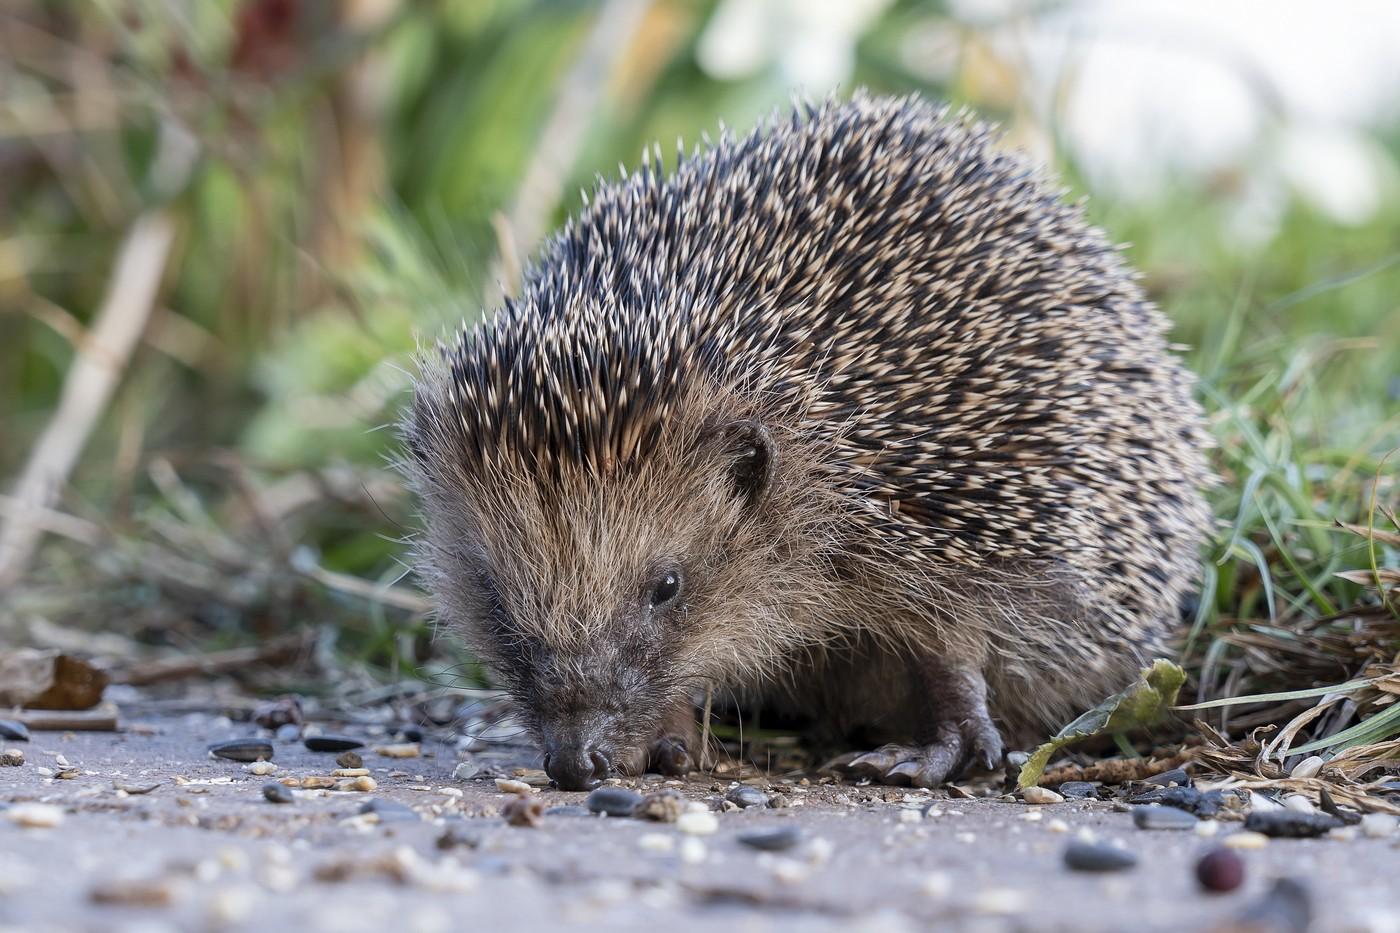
(955, 747)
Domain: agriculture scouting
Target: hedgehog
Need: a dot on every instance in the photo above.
(853, 418)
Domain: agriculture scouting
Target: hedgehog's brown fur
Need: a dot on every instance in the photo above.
(893, 411)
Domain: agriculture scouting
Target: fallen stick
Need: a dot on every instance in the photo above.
(100, 719)
(101, 358)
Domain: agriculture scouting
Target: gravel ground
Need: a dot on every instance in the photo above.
(204, 850)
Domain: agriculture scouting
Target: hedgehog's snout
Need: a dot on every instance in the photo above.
(580, 750)
(576, 766)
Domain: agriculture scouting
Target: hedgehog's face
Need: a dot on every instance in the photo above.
(606, 604)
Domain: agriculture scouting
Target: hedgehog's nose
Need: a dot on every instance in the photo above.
(576, 767)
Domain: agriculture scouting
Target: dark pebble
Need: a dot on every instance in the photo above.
(14, 731)
(570, 809)
(1220, 870)
(389, 811)
(331, 743)
(746, 796)
(776, 839)
(1288, 824)
(614, 801)
(412, 734)
(349, 760)
(1163, 818)
(274, 714)
(455, 837)
(243, 750)
(1094, 856)
(1189, 799)
(1177, 776)
(1079, 790)
(278, 793)
(1284, 908)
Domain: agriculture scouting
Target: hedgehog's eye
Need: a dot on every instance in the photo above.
(664, 589)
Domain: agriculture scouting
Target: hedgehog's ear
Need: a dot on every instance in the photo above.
(749, 458)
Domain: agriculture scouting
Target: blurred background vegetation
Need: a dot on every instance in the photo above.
(310, 188)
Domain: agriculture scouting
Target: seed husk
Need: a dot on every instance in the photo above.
(242, 750)
(13, 731)
(332, 743)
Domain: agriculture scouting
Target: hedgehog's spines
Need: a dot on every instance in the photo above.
(970, 367)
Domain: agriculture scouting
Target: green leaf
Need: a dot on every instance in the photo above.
(1143, 703)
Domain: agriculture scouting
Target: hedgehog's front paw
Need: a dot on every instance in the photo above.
(956, 746)
(670, 755)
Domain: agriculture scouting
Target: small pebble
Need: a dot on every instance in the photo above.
(34, 815)
(1206, 828)
(389, 811)
(1002, 901)
(508, 786)
(614, 801)
(133, 893)
(917, 816)
(776, 839)
(362, 785)
(1308, 767)
(663, 806)
(1220, 870)
(693, 851)
(274, 714)
(1057, 826)
(1078, 790)
(349, 759)
(1040, 795)
(412, 734)
(11, 758)
(260, 768)
(1379, 825)
(1163, 818)
(1175, 777)
(1285, 908)
(1245, 840)
(277, 793)
(1288, 824)
(242, 750)
(1094, 856)
(455, 837)
(352, 772)
(524, 810)
(747, 796)
(657, 842)
(13, 731)
(332, 743)
(1298, 804)
(401, 750)
(697, 822)
(936, 885)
